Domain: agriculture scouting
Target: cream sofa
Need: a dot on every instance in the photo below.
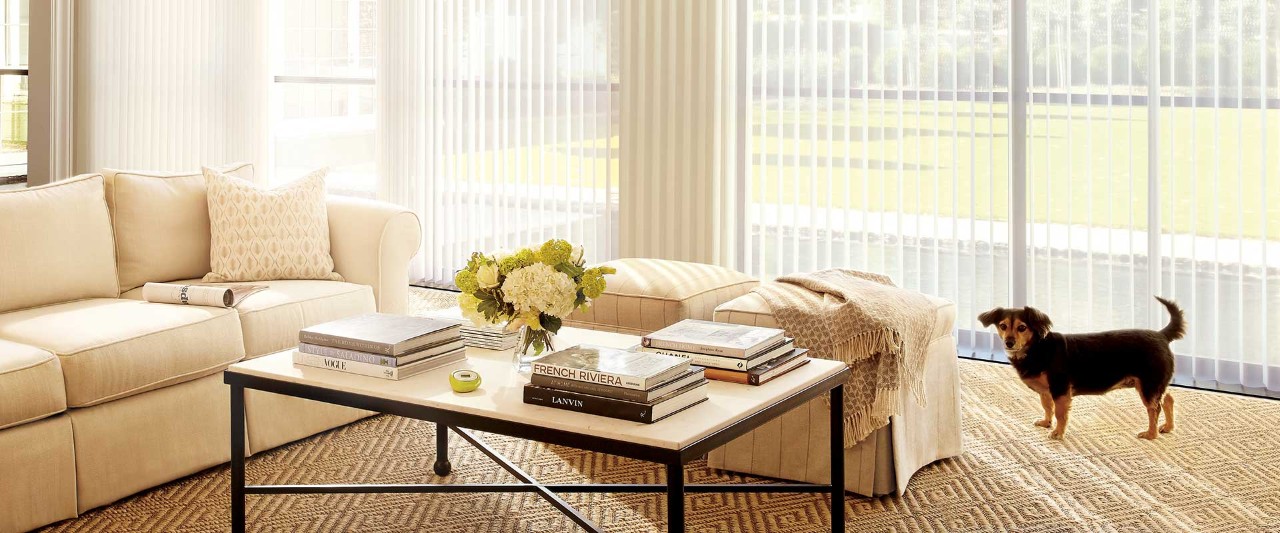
(103, 395)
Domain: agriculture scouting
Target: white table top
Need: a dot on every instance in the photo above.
(501, 394)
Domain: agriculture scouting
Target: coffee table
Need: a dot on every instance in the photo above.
(731, 410)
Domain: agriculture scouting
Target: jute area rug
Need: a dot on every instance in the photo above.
(1218, 472)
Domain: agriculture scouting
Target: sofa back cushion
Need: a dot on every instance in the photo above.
(161, 223)
(56, 244)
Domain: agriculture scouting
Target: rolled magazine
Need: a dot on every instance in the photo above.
(198, 293)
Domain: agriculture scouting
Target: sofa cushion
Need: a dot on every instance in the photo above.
(650, 294)
(56, 244)
(31, 383)
(270, 319)
(111, 348)
(752, 310)
(140, 202)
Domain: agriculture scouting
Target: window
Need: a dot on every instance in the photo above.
(501, 128)
(323, 95)
(13, 91)
(881, 140)
(1130, 150)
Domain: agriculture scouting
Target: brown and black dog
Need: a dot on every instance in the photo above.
(1060, 366)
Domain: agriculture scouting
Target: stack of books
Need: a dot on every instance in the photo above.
(490, 337)
(381, 345)
(735, 353)
(636, 386)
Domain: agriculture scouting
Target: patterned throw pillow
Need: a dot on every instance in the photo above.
(261, 235)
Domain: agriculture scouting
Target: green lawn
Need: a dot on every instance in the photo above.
(936, 157)
(954, 160)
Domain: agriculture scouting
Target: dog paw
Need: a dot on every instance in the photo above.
(1167, 428)
(1043, 423)
(1148, 435)
(1056, 434)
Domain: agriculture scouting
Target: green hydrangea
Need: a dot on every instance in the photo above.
(593, 282)
(466, 281)
(522, 258)
(555, 251)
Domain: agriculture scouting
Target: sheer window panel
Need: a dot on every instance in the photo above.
(1087, 164)
(329, 125)
(502, 128)
(324, 95)
(1220, 203)
(879, 141)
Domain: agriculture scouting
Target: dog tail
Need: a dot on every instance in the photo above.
(1177, 327)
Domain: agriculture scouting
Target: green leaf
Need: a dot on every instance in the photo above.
(550, 323)
(570, 269)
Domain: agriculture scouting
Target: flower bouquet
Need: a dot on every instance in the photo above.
(532, 289)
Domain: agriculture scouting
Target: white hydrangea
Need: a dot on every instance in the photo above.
(540, 287)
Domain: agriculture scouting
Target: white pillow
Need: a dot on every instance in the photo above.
(268, 234)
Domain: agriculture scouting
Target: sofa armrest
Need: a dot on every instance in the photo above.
(371, 244)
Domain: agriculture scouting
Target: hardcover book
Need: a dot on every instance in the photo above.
(763, 373)
(611, 366)
(713, 338)
(380, 333)
(693, 375)
(379, 371)
(647, 413)
(383, 360)
(727, 363)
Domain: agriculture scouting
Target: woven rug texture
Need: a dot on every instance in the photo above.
(1218, 472)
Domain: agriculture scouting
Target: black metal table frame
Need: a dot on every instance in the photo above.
(674, 460)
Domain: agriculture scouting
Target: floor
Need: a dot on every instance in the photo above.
(1218, 472)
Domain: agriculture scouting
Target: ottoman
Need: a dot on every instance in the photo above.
(794, 446)
(649, 294)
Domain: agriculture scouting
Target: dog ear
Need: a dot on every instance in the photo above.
(991, 317)
(1037, 321)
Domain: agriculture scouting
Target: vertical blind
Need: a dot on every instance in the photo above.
(879, 141)
(1076, 155)
(1148, 174)
(497, 122)
(165, 85)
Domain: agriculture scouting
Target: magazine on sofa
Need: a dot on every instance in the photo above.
(198, 293)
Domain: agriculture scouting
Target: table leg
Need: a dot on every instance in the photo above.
(837, 459)
(442, 466)
(675, 498)
(237, 459)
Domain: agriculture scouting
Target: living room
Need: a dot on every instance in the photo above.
(639, 265)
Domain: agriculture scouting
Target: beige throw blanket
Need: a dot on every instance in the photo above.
(880, 330)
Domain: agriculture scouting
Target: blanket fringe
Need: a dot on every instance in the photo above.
(867, 344)
(859, 425)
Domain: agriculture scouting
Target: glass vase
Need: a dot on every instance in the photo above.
(530, 345)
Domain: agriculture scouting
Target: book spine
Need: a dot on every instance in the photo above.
(730, 376)
(591, 376)
(709, 361)
(350, 355)
(551, 382)
(331, 341)
(693, 347)
(343, 365)
(584, 403)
